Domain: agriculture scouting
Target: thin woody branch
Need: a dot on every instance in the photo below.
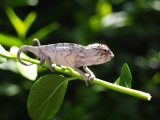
(69, 71)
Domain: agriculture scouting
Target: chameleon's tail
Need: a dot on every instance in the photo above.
(22, 49)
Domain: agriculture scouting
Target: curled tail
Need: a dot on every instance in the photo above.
(22, 49)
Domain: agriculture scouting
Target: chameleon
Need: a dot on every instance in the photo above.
(70, 54)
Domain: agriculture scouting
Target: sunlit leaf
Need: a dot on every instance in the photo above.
(9, 40)
(2, 60)
(29, 72)
(16, 22)
(117, 19)
(46, 96)
(9, 65)
(118, 82)
(20, 26)
(125, 78)
(3, 51)
(29, 20)
(40, 34)
(103, 8)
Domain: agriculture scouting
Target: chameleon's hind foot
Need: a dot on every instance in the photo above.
(87, 77)
(89, 74)
(90, 78)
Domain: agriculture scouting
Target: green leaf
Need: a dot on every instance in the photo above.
(16, 22)
(40, 34)
(9, 40)
(3, 52)
(46, 96)
(117, 81)
(125, 78)
(29, 20)
(103, 8)
(2, 60)
(30, 71)
(20, 26)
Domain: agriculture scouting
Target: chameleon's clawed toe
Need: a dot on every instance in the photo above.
(51, 68)
(89, 78)
(41, 62)
(86, 78)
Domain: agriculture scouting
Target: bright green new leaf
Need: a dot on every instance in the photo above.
(46, 96)
(103, 8)
(125, 78)
(44, 32)
(20, 26)
(3, 52)
(16, 22)
(9, 40)
(29, 20)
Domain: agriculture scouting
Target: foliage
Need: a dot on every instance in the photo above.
(46, 96)
(125, 78)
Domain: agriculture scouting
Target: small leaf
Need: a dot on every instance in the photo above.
(20, 26)
(29, 20)
(4, 52)
(16, 22)
(46, 96)
(117, 81)
(30, 71)
(43, 32)
(2, 60)
(125, 78)
(103, 8)
(9, 40)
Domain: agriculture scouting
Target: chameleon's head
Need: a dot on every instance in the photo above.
(100, 53)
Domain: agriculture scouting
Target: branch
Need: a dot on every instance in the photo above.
(69, 71)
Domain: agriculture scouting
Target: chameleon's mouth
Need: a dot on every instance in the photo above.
(110, 55)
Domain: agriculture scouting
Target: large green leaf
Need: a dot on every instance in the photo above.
(125, 78)
(46, 96)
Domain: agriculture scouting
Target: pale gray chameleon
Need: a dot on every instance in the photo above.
(70, 54)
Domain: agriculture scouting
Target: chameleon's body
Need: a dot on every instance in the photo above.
(69, 54)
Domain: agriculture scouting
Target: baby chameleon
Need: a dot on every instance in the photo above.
(70, 54)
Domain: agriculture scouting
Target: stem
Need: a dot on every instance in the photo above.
(118, 88)
(69, 71)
